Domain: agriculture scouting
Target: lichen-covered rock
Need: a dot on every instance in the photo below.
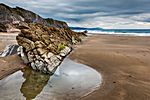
(44, 48)
(64, 52)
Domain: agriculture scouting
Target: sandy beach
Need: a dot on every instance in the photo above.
(123, 61)
(10, 64)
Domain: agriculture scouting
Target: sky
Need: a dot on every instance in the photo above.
(107, 14)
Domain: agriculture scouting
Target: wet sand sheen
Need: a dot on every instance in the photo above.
(124, 62)
(71, 81)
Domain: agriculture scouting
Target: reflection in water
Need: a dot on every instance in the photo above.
(33, 84)
(71, 81)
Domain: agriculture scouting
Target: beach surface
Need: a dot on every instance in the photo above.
(123, 61)
(10, 64)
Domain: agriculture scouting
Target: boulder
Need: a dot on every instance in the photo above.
(9, 50)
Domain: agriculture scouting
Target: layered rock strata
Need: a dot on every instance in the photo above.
(11, 17)
(43, 48)
(9, 50)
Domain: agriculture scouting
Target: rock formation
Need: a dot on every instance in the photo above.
(9, 50)
(43, 48)
(12, 17)
(43, 43)
(3, 28)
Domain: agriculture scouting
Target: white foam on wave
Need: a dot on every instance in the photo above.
(90, 32)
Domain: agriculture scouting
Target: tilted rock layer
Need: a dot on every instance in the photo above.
(11, 17)
(43, 48)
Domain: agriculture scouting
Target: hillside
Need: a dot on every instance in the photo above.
(12, 17)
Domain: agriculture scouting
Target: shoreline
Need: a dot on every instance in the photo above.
(116, 33)
(120, 34)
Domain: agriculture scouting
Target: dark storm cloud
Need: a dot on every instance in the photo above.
(146, 20)
(112, 6)
(80, 11)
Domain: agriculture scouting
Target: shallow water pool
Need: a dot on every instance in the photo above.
(71, 81)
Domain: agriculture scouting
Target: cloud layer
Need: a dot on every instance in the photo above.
(91, 13)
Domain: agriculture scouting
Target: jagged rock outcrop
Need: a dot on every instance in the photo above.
(56, 23)
(12, 17)
(3, 28)
(43, 48)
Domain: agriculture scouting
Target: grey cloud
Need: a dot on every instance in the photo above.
(82, 11)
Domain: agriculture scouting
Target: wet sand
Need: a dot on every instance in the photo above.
(10, 64)
(7, 39)
(123, 61)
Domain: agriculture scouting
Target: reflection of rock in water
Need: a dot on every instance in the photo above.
(33, 84)
(71, 81)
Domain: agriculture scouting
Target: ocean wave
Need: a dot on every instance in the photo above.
(90, 32)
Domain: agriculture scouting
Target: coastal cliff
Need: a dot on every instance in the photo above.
(12, 17)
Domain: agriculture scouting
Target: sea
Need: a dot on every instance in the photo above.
(126, 32)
